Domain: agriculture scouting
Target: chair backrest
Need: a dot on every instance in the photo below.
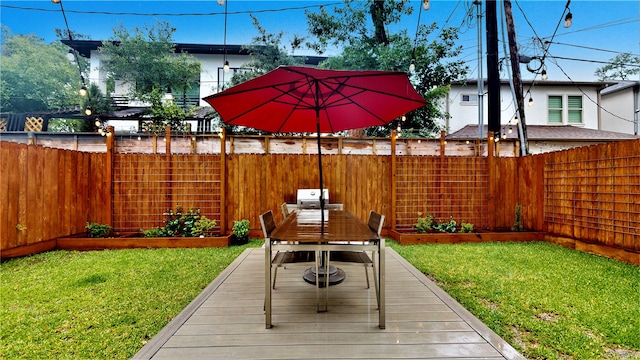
(375, 222)
(285, 209)
(267, 223)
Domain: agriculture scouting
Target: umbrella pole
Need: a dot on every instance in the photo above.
(320, 168)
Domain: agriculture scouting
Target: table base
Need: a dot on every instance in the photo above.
(336, 276)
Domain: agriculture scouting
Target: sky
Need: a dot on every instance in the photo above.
(600, 29)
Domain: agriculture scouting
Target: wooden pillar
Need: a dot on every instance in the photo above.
(223, 182)
(111, 142)
(392, 180)
(167, 138)
(492, 180)
(442, 143)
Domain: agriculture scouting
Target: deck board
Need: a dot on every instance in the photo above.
(226, 321)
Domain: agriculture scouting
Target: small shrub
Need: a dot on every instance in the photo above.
(180, 223)
(466, 227)
(424, 224)
(154, 232)
(447, 226)
(203, 226)
(96, 230)
(241, 228)
(517, 225)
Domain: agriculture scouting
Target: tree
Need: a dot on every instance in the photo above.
(35, 76)
(267, 53)
(620, 67)
(147, 61)
(361, 29)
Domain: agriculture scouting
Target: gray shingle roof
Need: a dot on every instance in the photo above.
(547, 132)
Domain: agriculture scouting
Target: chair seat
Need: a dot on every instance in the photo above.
(290, 257)
(359, 257)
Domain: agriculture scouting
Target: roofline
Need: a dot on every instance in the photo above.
(84, 48)
(600, 84)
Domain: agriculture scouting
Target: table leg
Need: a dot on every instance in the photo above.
(267, 283)
(381, 291)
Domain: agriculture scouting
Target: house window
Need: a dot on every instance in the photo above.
(559, 113)
(469, 99)
(574, 106)
(555, 109)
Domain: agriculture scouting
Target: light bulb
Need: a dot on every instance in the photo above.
(544, 75)
(510, 130)
(98, 123)
(404, 118)
(70, 55)
(221, 2)
(530, 101)
(226, 66)
(56, 1)
(568, 20)
(504, 136)
(426, 4)
(87, 111)
(412, 67)
(83, 90)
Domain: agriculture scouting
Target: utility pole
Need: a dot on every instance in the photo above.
(478, 5)
(517, 80)
(493, 74)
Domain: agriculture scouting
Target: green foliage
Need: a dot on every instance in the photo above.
(466, 227)
(620, 67)
(241, 228)
(517, 225)
(182, 224)
(99, 304)
(35, 76)
(547, 301)
(424, 224)
(203, 227)
(96, 230)
(356, 27)
(146, 59)
(447, 226)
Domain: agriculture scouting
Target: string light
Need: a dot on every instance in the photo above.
(426, 5)
(544, 74)
(568, 20)
(530, 101)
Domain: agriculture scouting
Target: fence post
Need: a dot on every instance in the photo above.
(111, 142)
(392, 179)
(223, 182)
(492, 179)
(167, 138)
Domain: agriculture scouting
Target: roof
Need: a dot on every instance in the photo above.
(84, 47)
(546, 132)
(135, 113)
(598, 84)
(619, 86)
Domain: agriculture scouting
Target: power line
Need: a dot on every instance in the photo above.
(589, 48)
(171, 14)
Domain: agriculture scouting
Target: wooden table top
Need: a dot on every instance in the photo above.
(305, 226)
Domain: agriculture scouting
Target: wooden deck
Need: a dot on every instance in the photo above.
(226, 321)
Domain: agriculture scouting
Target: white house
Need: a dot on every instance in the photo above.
(620, 107)
(546, 103)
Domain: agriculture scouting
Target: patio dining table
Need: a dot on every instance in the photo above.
(341, 230)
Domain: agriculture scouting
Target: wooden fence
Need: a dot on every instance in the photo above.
(587, 194)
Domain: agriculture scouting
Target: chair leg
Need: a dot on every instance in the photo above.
(375, 276)
(275, 275)
(366, 273)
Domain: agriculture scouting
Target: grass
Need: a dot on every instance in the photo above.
(547, 301)
(99, 304)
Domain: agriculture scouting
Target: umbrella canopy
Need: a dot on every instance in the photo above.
(298, 99)
(303, 99)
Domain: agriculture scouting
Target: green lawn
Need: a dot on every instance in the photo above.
(545, 300)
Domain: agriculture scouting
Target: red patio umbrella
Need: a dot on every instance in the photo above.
(303, 99)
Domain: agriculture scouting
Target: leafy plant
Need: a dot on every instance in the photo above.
(203, 226)
(447, 226)
(424, 224)
(241, 228)
(517, 225)
(181, 223)
(96, 230)
(466, 227)
(154, 232)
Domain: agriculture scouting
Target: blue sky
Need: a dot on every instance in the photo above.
(600, 29)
